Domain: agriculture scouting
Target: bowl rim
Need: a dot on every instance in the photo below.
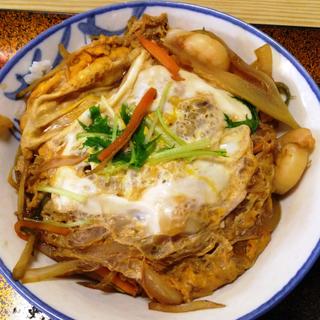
(315, 253)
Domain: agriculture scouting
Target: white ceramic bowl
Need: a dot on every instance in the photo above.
(295, 243)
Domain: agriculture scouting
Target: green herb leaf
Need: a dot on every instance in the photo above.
(99, 124)
(115, 130)
(284, 90)
(98, 135)
(252, 123)
(92, 134)
(96, 143)
(122, 157)
(124, 113)
(93, 157)
(141, 149)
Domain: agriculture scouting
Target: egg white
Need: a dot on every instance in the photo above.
(157, 76)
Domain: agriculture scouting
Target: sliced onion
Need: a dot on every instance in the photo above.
(55, 270)
(271, 220)
(5, 125)
(256, 77)
(185, 307)
(60, 162)
(11, 180)
(21, 190)
(264, 59)
(63, 117)
(158, 288)
(23, 262)
(63, 51)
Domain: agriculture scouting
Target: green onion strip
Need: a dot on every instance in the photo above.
(192, 150)
(64, 192)
(159, 110)
(114, 128)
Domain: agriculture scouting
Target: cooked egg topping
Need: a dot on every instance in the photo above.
(167, 198)
(191, 87)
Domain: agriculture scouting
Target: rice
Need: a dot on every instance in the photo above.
(37, 70)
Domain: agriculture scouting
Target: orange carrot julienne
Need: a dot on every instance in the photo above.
(21, 235)
(102, 272)
(162, 56)
(35, 225)
(125, 286)
(139, 113)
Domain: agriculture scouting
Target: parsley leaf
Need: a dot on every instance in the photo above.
(96, 143)
(99, 124)
(93, 157)
(141, 149)
(252, 123)
(124, 114)
(122, 157)
(98, 134)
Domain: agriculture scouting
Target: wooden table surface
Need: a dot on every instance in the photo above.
(274, 12)
(17, 28)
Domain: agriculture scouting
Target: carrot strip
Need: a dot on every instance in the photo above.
(162, 56)
(102, 272)
(139, 113)
(38, 226)
(125, 286)
(20, 234)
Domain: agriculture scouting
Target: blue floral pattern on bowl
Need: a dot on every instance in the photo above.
(88, 28)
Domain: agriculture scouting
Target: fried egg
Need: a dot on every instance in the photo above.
(176, 196)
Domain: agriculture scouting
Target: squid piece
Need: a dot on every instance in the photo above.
(196, 47)
(292, 160)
